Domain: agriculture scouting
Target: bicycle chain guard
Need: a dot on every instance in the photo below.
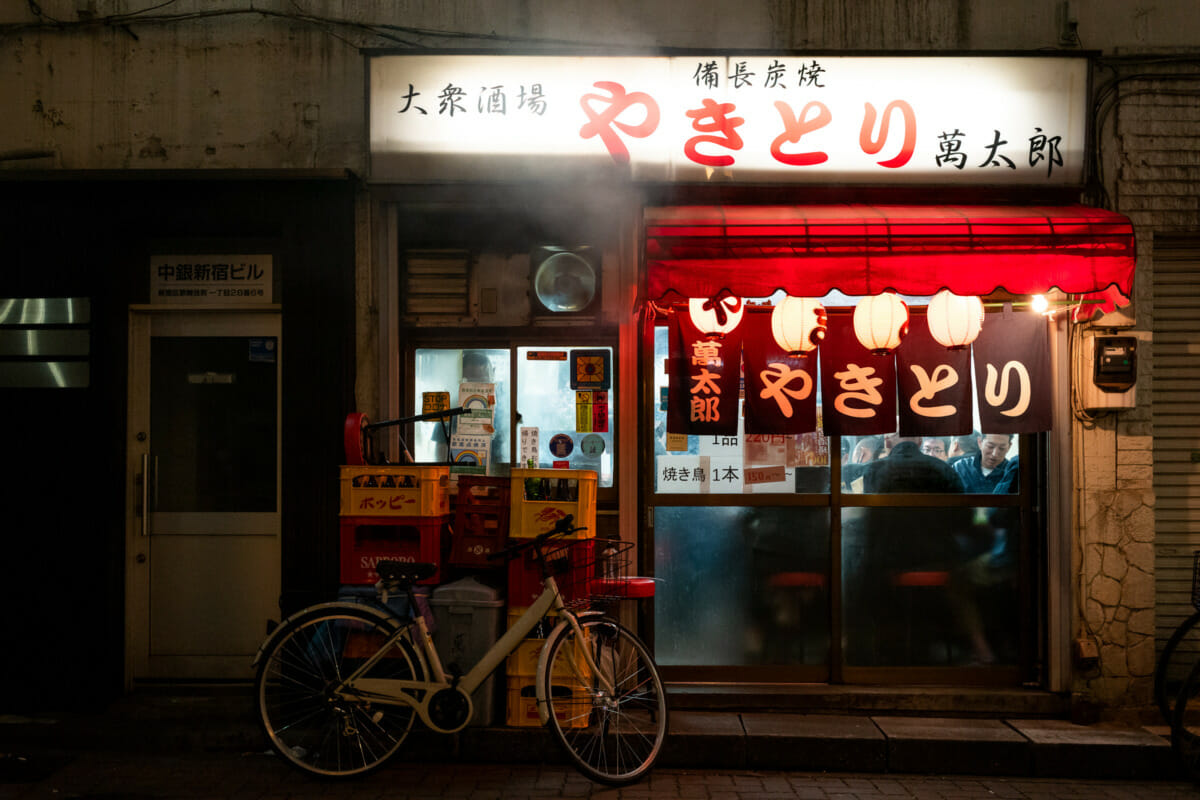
(449, 709)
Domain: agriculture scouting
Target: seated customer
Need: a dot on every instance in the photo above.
(907, 469)
(963, 446)
(936, 446)
(989, 471)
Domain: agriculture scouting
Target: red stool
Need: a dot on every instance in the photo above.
(912, 581)
(795, 580)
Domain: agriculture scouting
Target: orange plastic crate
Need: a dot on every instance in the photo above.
(522, 705)
(392, 491)
(524, 660)
(531, 515)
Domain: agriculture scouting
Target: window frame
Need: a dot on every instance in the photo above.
(1030, 498)
(513, 340)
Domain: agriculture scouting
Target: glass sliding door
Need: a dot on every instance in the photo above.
(849, 559)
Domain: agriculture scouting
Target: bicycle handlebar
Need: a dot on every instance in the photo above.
(448, 413)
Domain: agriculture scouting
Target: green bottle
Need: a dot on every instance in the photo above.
(533, 487)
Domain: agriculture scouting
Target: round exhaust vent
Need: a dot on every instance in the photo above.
(565, 282)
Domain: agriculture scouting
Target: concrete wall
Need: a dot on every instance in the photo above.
(204, 85)
(1150, 155)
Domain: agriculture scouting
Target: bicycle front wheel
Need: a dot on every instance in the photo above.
(304, 719)
(611, 737)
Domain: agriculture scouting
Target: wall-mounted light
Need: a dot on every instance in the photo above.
(880, 322)
(799, 324)
(954, 321)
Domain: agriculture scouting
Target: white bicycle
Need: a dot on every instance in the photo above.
(339, 685)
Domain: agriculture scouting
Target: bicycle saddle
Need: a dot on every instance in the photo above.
(402, 573)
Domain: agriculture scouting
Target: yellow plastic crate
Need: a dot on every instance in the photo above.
(548, 621)
(559, 492)
(395, 491)
(523, 662)
(522, 705)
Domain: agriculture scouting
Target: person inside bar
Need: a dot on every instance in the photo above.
(866, 451)
(963, 446)
(907, 469)
(989, 471)
(936, 446)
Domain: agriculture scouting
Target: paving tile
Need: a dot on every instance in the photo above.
(949, 745)
(507, 745)
(814, 742)
(1061, 748)
(704, 739)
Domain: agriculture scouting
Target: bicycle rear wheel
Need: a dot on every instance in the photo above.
(305, 722)
(611, 738)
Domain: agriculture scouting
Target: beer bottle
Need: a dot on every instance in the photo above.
(532, 485)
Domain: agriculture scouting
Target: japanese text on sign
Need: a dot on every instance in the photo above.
(211, 279)
(798, 118)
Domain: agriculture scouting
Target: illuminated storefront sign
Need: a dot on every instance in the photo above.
(880, 120)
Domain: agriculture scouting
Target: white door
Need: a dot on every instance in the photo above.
(202, 555)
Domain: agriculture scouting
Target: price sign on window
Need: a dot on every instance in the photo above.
(529, 445)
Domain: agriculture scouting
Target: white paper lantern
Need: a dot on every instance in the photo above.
(880, 322)
(716, 316)
(799, 324)
(954, 321)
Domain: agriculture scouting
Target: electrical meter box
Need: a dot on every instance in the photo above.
(1107, 375)
(1114, 365)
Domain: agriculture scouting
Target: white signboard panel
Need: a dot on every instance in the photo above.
(211, 279)
(789, 118)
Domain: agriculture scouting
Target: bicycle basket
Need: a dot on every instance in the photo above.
(597, 571)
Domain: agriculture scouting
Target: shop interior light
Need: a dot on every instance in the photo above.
(880, 322)
(716, 316)
(1039, 303)
(954, 321)
(799, 324)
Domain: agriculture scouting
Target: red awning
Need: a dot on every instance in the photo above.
(751, 251)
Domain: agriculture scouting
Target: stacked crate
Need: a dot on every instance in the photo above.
(397, 513)
(539, 499)
(480, 521)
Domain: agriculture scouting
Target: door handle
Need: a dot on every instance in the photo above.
(146, 480)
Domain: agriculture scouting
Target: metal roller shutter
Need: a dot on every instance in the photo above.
(1175, 391)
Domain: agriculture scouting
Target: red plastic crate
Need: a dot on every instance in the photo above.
(480, 521)
(573, 577)
(367, 540)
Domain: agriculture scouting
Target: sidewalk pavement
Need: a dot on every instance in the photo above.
(259, 776)
(161, 722)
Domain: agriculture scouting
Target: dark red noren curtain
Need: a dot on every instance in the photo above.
(705, 373)
(934, 384)
(807, 251)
